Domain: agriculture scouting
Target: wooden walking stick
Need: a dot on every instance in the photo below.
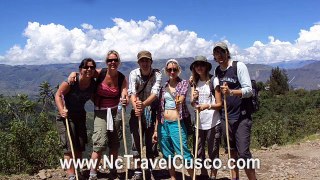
(227, 128)
(197, 138)
(181, 147)
(69, 136)
(124, 132)
(141, 143)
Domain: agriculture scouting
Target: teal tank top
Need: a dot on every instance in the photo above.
(169, 101)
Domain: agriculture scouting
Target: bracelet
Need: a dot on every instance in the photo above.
(209, 106)
(230, 92)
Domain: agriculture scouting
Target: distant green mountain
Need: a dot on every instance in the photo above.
(27, 78)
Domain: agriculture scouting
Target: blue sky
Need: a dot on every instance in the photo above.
(60, 31)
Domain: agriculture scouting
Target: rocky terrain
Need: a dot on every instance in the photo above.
(296, 161)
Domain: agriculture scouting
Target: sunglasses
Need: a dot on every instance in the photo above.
(172, 69)
(112, 60)
(88, 67)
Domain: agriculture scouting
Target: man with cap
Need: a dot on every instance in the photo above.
(144, 86)
(235, 83)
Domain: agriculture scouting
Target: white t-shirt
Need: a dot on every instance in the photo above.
(207, 118)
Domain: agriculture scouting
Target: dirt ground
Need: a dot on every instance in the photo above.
(296, 161)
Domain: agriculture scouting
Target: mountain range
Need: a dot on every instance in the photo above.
(27, 78)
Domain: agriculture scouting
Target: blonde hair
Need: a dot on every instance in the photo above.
(115, 53)
(173, 61)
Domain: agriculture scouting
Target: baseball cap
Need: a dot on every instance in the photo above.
(221, 45)
(144, 54)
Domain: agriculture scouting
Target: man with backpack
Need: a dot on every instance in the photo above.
(144, 86)
(235, 83)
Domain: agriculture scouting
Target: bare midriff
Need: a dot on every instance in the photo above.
(171, 114)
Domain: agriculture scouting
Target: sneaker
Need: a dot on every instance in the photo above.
(72, 178)
(137, 176)
(93, 177)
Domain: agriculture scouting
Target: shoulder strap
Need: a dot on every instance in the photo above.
(145, 84)
(235, 69)
(211, 83)
(121, 78)
(102, 75)
(77, 77)
(216, 71)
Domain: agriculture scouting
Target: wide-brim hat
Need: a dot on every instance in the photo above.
(201, 59)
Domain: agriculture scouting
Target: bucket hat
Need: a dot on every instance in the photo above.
(201, 59)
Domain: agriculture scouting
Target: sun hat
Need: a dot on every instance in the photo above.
(144, 54)
(201, 59)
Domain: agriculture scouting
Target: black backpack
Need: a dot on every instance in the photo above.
(255, 96)
(100, 78)
(251, 104)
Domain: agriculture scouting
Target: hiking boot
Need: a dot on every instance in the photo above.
(93, 177)
(72, 178)
(137, 176)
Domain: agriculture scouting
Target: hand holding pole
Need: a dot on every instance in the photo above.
(227, 123)
(141, 143)
(180, 136)
(197, 134)
(69, 135)
(124, 130)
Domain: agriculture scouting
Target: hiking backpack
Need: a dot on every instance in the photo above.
(252, 103)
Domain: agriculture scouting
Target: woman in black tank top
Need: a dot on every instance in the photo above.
(70, 100)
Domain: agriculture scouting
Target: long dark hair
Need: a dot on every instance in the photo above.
(196, 76)
(85, 61)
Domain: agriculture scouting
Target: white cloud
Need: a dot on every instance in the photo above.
(54, 43)
(306, 47)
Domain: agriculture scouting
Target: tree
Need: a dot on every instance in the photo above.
(261, 86)
(46, 95)
(278, 82)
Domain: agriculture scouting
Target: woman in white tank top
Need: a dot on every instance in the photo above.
(206, 97)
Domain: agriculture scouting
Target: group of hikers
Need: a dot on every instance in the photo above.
(159, 111)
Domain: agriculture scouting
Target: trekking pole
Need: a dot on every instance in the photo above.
(181, 147)
(197, 139)
(227, 129)
(141, 143)
(69, 136)
(124, 133)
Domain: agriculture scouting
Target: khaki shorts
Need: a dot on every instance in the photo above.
(101, 136)
(78, 132)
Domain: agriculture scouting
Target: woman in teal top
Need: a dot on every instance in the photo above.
(172, 109)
